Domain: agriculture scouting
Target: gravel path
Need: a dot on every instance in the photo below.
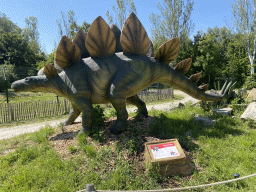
(9, 132)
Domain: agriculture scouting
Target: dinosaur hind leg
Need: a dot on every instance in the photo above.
(135, 100)
(85, 106)
(73, 114)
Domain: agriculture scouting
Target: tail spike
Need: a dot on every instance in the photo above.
(204, 87)
(227, 88)
(184, 66)
(231, 88)
(195, 78)
(223, 88)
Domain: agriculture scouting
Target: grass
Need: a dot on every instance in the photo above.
(217, 153)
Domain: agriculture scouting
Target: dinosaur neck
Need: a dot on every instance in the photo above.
(167, 75)
(51, 85)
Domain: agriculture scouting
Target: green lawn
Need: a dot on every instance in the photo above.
(216, 152)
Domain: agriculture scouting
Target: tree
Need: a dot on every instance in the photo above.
(121, 12)
(47, 59)
(68, 26)
(9, 74)
(8, 26)
(173, 22)
(237, 59)
(31, 33)
(245, 21)
(210, 60)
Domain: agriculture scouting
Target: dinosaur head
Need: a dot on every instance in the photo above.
(32, 84)
(40, 83)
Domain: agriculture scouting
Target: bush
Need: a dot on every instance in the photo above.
(250, 82)
(98, 116)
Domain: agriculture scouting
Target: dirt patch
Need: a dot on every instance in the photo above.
(62, 141)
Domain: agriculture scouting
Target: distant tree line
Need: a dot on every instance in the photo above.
(219, 53)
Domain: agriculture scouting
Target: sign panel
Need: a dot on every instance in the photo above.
(165, 150)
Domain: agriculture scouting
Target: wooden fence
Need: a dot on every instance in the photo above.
(29, 110)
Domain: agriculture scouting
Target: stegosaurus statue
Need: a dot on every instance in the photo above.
(106, 75)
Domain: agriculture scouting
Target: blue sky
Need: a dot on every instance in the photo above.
(205, 14)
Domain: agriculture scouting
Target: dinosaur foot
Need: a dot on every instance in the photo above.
(84, 130)
(118, 127)
(143, 113)
(66, 123)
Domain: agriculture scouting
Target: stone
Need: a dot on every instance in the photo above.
(250, 112)
(205, 121)
(223, 111)
(252, 95)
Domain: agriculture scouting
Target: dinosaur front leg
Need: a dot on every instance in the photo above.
(119, 104)
(135, 100)
(73, 114)
(86, 107)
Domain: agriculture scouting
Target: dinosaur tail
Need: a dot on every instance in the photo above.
(166, 53)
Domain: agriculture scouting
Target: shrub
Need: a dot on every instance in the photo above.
(250, 82)
(98, 119)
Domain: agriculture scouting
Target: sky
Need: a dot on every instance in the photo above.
(205, 14)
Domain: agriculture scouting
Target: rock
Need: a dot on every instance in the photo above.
(250, 112)
(205, 121)
(252, 95)
(224, 111)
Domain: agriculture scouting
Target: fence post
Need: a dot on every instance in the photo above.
(158, 91)
(11, 111)
(65, 105)
(6, 86)
(90, 188)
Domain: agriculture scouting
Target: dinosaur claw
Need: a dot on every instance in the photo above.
(231, 88)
